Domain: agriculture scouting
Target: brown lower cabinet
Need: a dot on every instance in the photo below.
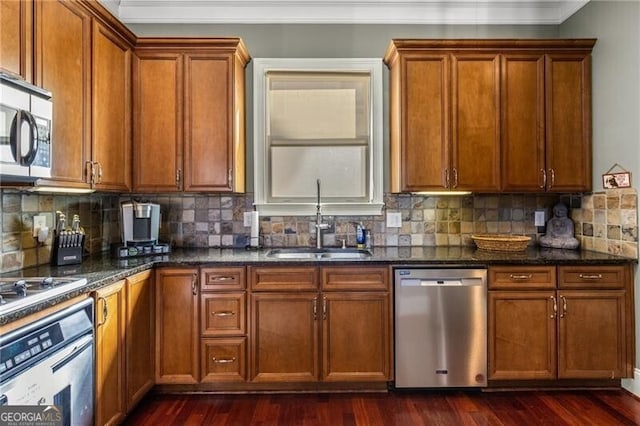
(311, 324)
(564, 322)
(124, 346)
(177, 326)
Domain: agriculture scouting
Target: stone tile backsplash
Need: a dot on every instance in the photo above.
(605, 222)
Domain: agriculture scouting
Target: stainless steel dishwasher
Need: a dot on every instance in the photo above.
(440, 327)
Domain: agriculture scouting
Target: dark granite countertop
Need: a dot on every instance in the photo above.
(103, 270)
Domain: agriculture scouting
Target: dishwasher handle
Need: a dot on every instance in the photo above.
(415, 282)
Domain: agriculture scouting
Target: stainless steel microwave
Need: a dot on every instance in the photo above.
(26, 114)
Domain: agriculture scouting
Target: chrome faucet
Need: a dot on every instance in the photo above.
(319, 225)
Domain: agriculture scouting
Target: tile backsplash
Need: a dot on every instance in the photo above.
(605, 222)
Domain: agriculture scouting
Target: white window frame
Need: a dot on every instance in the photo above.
(299, 207)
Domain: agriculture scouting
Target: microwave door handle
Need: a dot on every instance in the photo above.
(33, 139)
(15, 138)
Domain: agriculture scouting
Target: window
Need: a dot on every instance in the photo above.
(318, 119)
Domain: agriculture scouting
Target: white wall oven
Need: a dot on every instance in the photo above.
(26, 113)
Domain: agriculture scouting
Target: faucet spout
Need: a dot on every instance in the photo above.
(319, 225)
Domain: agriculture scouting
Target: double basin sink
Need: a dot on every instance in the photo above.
(318, 253)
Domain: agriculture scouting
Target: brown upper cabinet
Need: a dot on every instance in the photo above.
(189, 115)
(490, 115)
(16, 33)
(80, 53)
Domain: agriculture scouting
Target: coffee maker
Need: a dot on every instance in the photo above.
(140, 225)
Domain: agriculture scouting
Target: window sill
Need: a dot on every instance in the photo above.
(327, 209)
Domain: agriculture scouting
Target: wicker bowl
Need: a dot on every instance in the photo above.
(501, 242)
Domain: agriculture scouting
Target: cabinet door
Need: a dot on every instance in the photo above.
(224, 360)
(522, 335)
(284, 337)
(522, 125)
(356, 337)
(420, 123)
(568, 122)
(223, 314)
(209, 151)
(63, 33)
(140, 348)
(177, 338)
(111, 111)
(591, 336)
(110, 354)
(16, 49)
(157, 119)
(475, 122)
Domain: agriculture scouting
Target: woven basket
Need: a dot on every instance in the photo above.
(501, 242)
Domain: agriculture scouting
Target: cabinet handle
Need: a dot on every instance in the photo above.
(224, 360)
(99, 171)
(178, 177)
(91, 171)
(315, 308)
(553, 178)
(446, 178)
(221, 278)
(230, 175)
(555, 307)
(105, 311)
(324, 308)
(455, 177)
(591, 276)
(194, 286)
(564, 307)
(521, 277)
(544, 179)
(223, 313)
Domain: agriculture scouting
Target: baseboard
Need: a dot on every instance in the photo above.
(633, 385)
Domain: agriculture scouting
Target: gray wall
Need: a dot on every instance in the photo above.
(616, 97)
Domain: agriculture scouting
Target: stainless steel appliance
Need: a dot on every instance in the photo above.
(140, 223)
(440, 327)
(18, 292)
(50, 362)
(26, 114)
(140, 226)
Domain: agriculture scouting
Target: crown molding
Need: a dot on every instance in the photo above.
(434, 12)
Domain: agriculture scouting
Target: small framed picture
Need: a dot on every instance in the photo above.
(616, 180)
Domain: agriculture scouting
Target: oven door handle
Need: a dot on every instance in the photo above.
(15, 139)
(79, 346)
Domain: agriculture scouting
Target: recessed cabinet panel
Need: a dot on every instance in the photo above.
(423, 154)
(157, 120)
(475, 122)
(208, 122)
(62, 59)
(223, 314)
(522, 124)
(568, 122)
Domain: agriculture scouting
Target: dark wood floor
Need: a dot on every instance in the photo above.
(394, 408)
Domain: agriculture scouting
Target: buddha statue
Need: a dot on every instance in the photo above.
(560, 230)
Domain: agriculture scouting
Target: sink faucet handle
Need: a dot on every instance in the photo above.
(344, 243)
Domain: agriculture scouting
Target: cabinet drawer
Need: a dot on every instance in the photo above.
(274, 279)
(222, 279)
(223, 314)
(522, 277)
(613, 276)
(224, 360)
(355, 278)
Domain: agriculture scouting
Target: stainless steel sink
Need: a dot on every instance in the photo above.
(316, 253)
